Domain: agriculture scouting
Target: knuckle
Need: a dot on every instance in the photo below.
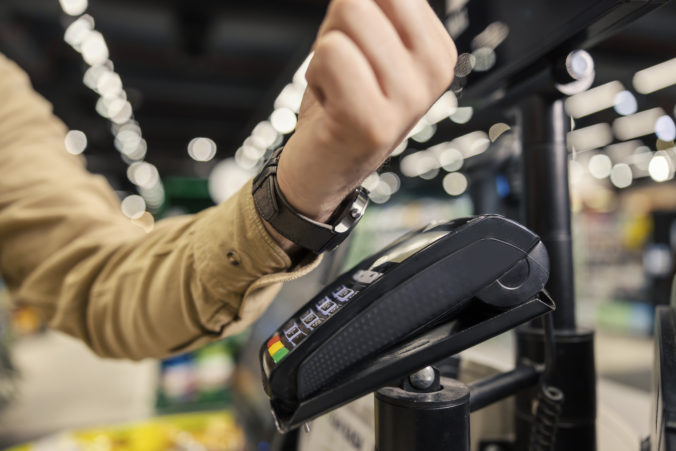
(311, 74)
(342, 10)
(331, 42)
(329, 47)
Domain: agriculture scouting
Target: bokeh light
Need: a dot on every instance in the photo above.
(660, 168)
(75, 142)
(283, 120)
(143, 174)
(94, 49)
(665, 129)
(625, 103)
(497, 130)
(600, 166)
(226, 178)
(73, 7)
(621, 175)
(462, 115)
(455, 184)
(133, 206)
(202, 149)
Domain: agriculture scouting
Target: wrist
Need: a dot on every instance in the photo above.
(293, 250)
(314, 184)
(327, 229)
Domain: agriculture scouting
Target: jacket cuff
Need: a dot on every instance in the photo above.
(236, 260)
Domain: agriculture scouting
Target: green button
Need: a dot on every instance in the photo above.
(279, 355)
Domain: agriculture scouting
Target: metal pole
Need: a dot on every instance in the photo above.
(544, 126)
(495, 388)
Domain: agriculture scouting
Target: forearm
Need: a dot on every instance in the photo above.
(189, 281)
(67, 249)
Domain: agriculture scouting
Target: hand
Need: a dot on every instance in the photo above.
(378, 66)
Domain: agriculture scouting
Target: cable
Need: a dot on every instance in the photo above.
(549, 398)
(549, 403)
(550, 347)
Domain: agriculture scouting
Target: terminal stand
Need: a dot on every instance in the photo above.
(544, 126)
(410, 420)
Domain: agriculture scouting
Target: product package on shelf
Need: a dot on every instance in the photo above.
(199, 380)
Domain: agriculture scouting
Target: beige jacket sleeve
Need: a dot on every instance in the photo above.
(66, 248)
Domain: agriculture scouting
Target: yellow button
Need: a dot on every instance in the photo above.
(275, 347)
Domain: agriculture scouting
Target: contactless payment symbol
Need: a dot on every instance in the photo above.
(276, 349)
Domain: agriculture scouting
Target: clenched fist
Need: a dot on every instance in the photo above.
(378, 66)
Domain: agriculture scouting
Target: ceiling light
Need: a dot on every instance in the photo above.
(625, 103)
(593, 100)
(589, 138)
(638, 124)
(656, 77)
(665, 129)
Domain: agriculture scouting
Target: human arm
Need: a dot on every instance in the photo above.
(66, 248)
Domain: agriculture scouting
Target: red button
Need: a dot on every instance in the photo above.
(273, 340)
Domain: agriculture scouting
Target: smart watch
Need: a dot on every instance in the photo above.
(291, 224)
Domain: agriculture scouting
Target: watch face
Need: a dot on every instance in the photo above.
(353, 211)
(317, 237)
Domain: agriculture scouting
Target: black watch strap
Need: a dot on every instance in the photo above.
(303, 231)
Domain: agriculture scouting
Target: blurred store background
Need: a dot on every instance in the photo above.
(178, 102)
